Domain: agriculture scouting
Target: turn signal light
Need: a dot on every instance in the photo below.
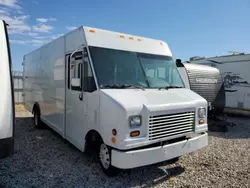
(201, 121)
(135, 133)
(113, 139)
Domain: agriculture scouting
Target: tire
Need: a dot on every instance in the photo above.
(105, 161)
(36, 118)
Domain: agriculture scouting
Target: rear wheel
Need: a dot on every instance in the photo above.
(105, 161)
(37, 120)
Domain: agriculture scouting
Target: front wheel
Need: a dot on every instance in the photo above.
(105, 161)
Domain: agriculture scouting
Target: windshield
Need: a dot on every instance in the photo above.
(117, 67)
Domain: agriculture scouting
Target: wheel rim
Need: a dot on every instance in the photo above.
(36, 119)
(104, 156)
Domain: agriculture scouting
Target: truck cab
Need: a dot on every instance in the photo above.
(7, 113)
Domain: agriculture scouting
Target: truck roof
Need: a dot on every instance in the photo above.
(121, 41)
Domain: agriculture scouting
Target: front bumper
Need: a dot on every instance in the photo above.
(143, 157)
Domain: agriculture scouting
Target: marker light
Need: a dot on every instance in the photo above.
(201, 121)
(113, 139)
(131, 38)
(91, 30)
(122, 36)
(139, 39)
(135, 133)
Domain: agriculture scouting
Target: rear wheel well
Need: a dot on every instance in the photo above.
(93, 141)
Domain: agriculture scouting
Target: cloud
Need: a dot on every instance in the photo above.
(31, 34)
(42, 28)
(49, 37)
(71, 28)
(33, 42)
(10, 3)
(17, 41)
(17, 25)
(45, 20)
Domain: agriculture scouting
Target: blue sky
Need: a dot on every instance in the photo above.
(191, 28)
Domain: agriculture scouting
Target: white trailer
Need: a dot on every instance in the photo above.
(7, 109)
(235, 72)
(119, 92)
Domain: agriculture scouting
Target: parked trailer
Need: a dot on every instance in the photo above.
(117, 92)
(235, 73)
(7, 109)
(207, 82)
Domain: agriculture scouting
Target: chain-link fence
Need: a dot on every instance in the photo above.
(18, 86)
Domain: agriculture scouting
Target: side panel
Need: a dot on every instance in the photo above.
(235, 73)
(44, 82)
(7, 111)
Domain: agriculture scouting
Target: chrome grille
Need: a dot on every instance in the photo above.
(170, 125)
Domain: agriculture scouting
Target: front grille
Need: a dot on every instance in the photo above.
(170, 125)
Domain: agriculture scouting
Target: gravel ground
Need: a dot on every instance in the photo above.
(43, 159)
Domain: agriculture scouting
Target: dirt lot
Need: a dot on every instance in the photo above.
(43, 159)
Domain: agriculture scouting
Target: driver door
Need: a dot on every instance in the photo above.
(76, 106)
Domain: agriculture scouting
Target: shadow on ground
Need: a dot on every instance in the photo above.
(241, 130)
(42, 158)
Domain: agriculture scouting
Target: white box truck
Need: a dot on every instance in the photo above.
(119, 92)
(7, 108)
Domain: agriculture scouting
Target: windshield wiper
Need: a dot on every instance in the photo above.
(120, 86)
(134, 86)
(114, 86)
(170, 87)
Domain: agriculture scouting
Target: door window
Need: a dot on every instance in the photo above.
(79, 67)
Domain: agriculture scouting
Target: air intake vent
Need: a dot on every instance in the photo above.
(171, 125)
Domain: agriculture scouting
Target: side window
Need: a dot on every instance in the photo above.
(75, 69)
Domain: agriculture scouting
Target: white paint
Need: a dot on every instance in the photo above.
(109, 39)
(6, 103)
(101, 110)
(142, 157)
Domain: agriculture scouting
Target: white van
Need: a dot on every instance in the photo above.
(119, 92)
(7, 109)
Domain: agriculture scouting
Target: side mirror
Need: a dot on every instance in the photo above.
(75, 82)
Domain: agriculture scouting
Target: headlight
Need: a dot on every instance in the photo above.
(202, 112)
(135, 121)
